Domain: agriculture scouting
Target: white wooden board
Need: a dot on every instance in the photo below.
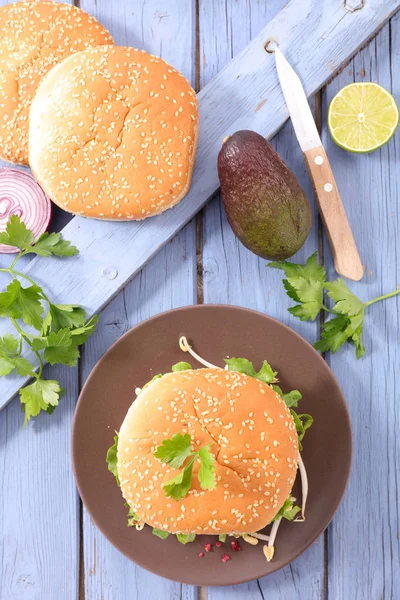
(317, 36)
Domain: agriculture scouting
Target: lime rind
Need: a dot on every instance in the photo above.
(381, 117)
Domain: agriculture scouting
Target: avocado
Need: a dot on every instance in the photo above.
(265, 205)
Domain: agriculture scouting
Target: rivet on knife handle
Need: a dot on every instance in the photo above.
(344, 249)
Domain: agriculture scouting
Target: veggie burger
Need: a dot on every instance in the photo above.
(211, 451)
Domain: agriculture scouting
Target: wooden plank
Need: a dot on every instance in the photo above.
(234, 275)
(166, 282)
(39, 510)
(317, 36)
(364, 551)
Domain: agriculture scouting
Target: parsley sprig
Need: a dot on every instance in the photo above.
(56, 330)
(306, 285)
(175, 452)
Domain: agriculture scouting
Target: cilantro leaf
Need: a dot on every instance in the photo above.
(40, 395)
(174, 451)
(305, 285)
(242, 365)
(50, 244)
(16, 234)
(207, 477)
(60, 349)
(181, 366)
(67, 315)
(160, 533)
(178, 486)
(185, 538)
(8, 345)
(112, 458)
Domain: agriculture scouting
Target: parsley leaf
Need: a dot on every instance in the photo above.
(160, 533)
(206, 475)
(67, 315)
(178, 486)
(8, 345)
(43, 394)
(112, 458)
(16, 234)
(304, 284)
(81, 334)
(52, 244)
(242, 365)
(347, 303)
(174, 451)
(181, 366)
(6, 365)
(60, 349)
(18, 302)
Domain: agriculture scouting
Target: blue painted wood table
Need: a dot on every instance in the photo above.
(50, 550)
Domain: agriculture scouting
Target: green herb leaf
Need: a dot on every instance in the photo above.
(146, 385)
(16, 234)
(178, 487)
(81, 334)
(242, 365)
(6, 365)
(181, 366)
(207, 477)
(174, 451)
(18, 302)
(222, 537)
(346, 302)
(23, 367)
(67, 315)
(132, 516)
(38, 396)
(288, 511)
(160, 533)
(185, 538)
(52, 244)
(112, 458)
(8, 345)
(304, 284)
(291, 399)
(60, 349)
(302, 423)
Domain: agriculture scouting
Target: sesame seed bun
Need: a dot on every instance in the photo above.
(253, 438)
(35, 36)
(113, 134)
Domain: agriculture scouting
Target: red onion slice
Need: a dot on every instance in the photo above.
(21, 195)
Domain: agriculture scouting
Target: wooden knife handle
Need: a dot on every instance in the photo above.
(344, 249)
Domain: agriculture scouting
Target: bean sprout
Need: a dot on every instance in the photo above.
(184, 346)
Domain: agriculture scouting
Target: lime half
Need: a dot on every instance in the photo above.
(362, 117)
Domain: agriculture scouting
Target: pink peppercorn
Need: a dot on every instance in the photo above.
(208, 547)
(225, 558)
(201, 554)
(235, 546)
(218, 544)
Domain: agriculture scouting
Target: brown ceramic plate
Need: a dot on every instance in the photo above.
(215, 332)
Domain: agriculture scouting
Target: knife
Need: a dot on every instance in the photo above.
(345, 254)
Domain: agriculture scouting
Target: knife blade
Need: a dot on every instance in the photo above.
(297, 103)
(345, 254)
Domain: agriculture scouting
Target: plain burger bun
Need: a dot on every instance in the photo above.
(35, 36)
(253, 438)
(113, 134)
